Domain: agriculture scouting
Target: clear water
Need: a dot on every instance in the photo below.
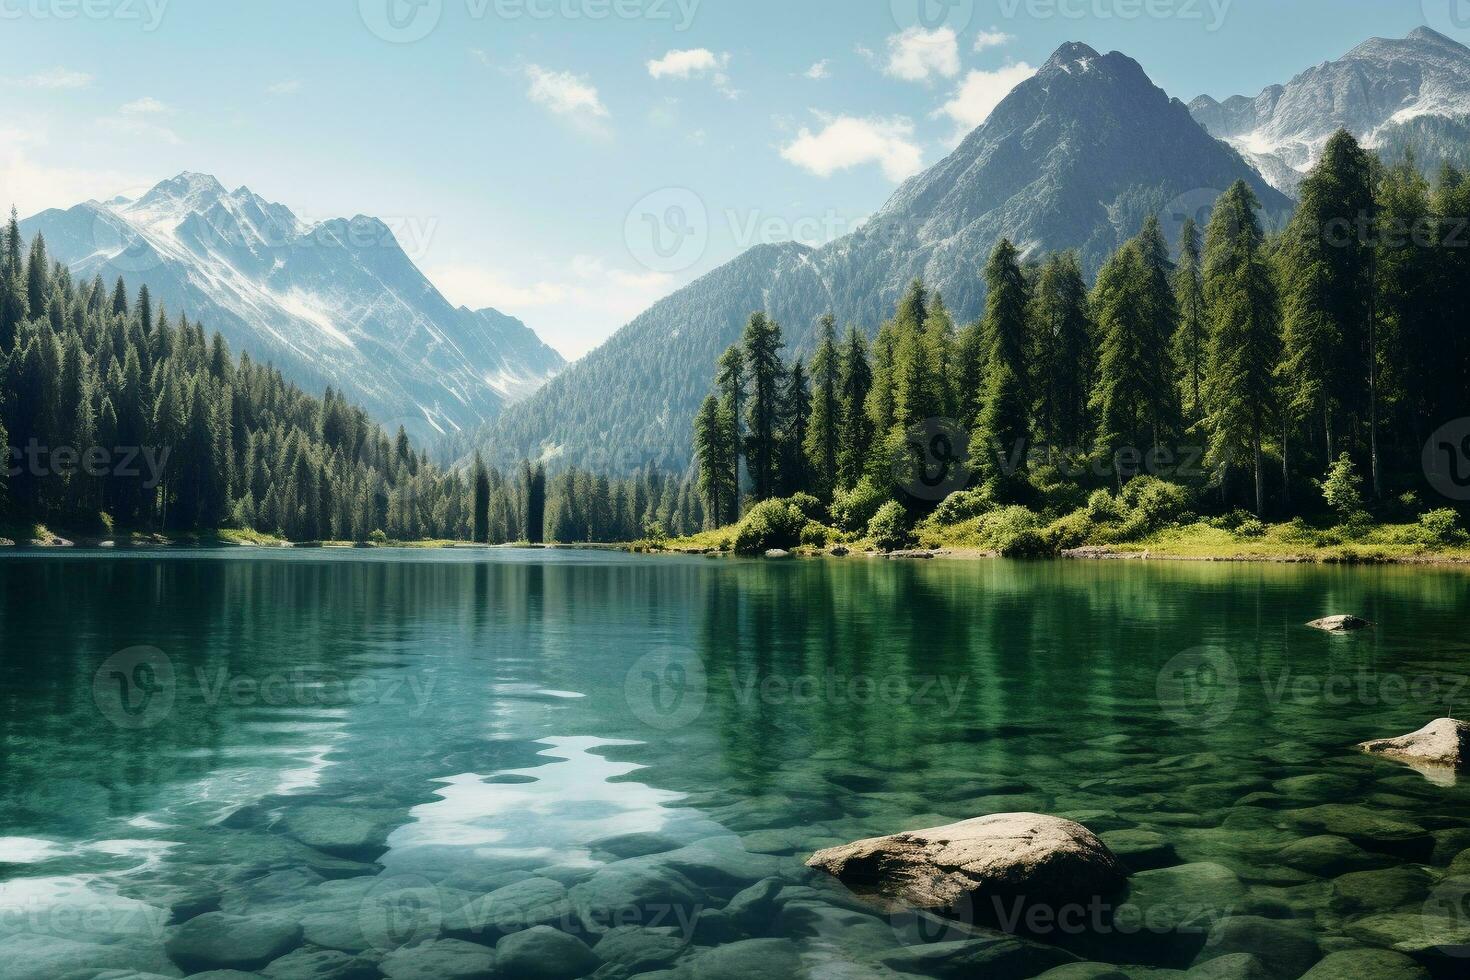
(353, 748)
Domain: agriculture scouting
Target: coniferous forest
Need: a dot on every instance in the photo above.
(121, 416)
(1256, 374)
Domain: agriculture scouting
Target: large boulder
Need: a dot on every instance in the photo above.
(219, 941)
(1445, 742)
(1340, 624)
(1002, 857)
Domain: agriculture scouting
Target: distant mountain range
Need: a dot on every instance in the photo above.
(1074, 158)
(1387, 92)
(336, 303)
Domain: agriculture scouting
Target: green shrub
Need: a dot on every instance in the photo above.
(378, 537)
(962, 506)
(1232, 521)
(1342, 493)
(854, 509)
(889, 528)
(1073, 531)
(769, 525)
(1029, 543)
(815, 535)
(1102, 508)
(1251, 528)
(810, 506)
(1150, 505)
(999, 528)
(1441, 528)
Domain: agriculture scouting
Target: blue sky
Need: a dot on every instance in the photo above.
(528, 151)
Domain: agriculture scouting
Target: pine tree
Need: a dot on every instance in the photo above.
(1245, 346)
(822, 439)
(1001, 437)
(1191, 339)
(1061, 334)
(763, 344)
(855, 436)
(480, 513)
(796, 414)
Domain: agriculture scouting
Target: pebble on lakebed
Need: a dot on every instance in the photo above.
(1005, 855)
(1444, 742)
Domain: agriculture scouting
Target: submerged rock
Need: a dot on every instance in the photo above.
(1354, 964)
(1340, 624)
(1001, 956)
(1444, 742)
(543, 953)
(1284, 949)
(442, 959)
(1007, 855)
(770, 959)
(220, 941)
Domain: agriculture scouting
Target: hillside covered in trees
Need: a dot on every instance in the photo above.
(119, 416)
(1295, 374)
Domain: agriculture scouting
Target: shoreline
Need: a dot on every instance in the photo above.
(58, 543)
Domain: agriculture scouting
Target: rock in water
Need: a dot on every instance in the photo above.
(1445, 742)
(1029, 856)
(1340, 624)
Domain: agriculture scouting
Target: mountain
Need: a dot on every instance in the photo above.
(1384, 91)
(336, 303)
(1073, 158)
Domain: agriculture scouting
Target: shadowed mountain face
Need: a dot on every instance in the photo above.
(1074, 158)
(1377, 91)
(337, 303)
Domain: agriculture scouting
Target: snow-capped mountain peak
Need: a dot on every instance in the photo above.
(1381, 84)
(337, 302)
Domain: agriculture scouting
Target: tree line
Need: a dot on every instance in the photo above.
(1248, 363)
(117, 415)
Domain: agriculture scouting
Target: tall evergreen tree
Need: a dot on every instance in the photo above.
(1002, 436)
(1245, 346)
(822, 440)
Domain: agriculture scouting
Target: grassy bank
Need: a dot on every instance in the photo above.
(1151, 519)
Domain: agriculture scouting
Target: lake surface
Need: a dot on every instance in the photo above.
(345, 753)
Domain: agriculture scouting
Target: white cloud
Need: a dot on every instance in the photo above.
(55, 78)
(916, 55)
(287, 87)
(986, 40)
(686, 64)
(146, 106)
(564, 93)
(820, 70)
(571, 308)
(979, 94)
(695, 63)
(479, 55)
(33, 185)
(849, 141)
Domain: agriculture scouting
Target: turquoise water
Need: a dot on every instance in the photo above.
(385, 763)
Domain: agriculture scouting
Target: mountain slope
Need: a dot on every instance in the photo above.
(1075, 157)
(335, 303)
(1375, 91)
